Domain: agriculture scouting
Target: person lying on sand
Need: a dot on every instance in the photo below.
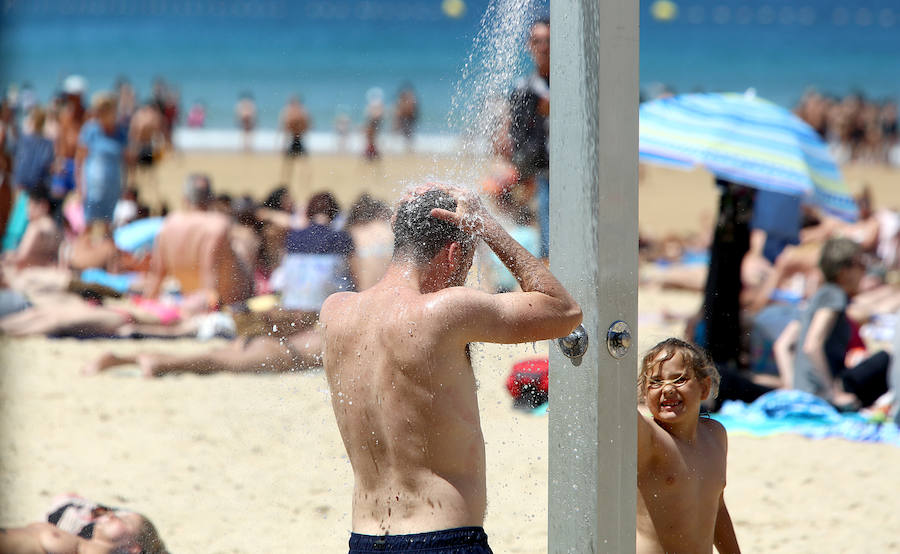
(256, 354)
(114, 532)
(681, 456)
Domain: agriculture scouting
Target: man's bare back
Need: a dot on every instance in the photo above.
(405, 401)
(195, 248)
(402, 385)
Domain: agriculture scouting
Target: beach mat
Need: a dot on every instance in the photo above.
(803, 414)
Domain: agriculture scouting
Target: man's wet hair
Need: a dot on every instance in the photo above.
(420, 236)
(543, 20)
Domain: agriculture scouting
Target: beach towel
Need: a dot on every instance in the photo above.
(18, 221)
(121, 283)
(138, 236)
(792, 411)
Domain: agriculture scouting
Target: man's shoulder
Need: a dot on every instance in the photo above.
(178, 223)
(334, 305)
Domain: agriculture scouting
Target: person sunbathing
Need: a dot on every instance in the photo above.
(195, 247)
(292, 346)
(114, 532)
(40, 243)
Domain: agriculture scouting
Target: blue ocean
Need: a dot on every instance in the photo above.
(331, 52)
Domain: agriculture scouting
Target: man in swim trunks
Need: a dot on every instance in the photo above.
(245, 116)
(402, 385)
(294, 123)
(145, 141)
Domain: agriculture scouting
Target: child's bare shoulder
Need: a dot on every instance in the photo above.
(714, 429)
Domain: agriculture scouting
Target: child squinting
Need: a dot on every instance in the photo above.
(681, 457)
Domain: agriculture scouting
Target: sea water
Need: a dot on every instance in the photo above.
(331, 52)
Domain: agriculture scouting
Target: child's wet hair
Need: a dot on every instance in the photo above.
(694, 357)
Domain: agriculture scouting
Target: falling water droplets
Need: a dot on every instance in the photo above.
(497, 58)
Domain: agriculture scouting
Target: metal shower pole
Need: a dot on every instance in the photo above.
(593, 250)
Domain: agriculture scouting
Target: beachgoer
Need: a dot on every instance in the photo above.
(295, 121)
(530, 126)
(7, 198)
(406, 114)
(294, 346)
(146, 142)
(721, 303)
(196, 117)
(402, 386)
(33, 163)
(194, 247)
(101, 149)
(166, 98)
(245, 115)
(69, 121)
(114, 532)
(316, 260)
(820, 337)
(342, 126)
(127, 102)
(681, 456)
(369, 225)
(374, 117)
(40, 243)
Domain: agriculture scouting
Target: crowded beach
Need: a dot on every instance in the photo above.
(163, 349)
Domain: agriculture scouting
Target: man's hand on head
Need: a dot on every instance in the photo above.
(471, 216)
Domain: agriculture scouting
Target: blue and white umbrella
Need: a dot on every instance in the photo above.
(746, 140)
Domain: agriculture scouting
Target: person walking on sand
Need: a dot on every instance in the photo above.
(403, 390)
(245, 116)
(681, 456)
(295, 122)
(146, 143)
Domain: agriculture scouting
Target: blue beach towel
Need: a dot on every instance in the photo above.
(118, 282)
(138, 236)
(803, 414)
(18, 221)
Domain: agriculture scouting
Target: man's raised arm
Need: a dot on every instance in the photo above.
(543, 310)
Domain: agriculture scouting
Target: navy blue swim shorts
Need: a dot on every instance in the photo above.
(463, 540)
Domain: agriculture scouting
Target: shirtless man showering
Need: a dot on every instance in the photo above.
(402, 385)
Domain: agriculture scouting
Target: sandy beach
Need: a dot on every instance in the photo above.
(251, 464)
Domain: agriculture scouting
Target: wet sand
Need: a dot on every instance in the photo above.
(228, 464)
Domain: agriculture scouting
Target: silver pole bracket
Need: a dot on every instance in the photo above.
(618, 339)
(574, 345)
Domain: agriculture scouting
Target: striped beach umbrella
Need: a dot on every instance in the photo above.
(746, 140)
